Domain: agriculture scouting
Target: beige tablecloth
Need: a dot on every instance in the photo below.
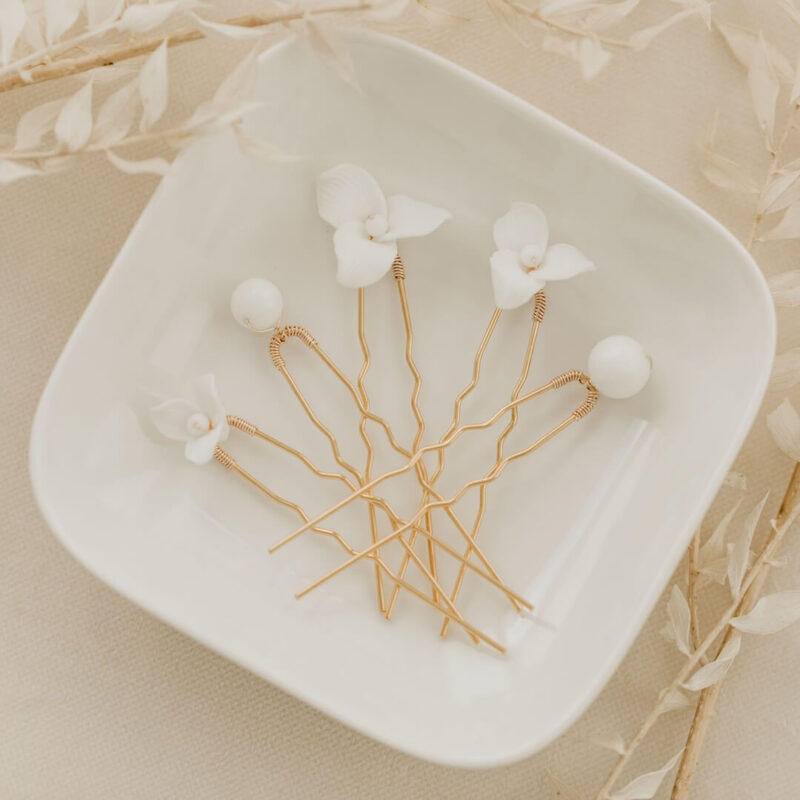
(99, 700)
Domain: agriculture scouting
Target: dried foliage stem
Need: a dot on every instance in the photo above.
(766, 554)
(691, 591)
(774, 165)
(12, 78)
(708, 697)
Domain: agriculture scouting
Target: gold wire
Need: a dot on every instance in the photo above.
(399, 275)
(230, 463)
(278, 339)
(536, 320)
(494, 473)
(373, 517)
(251, 429)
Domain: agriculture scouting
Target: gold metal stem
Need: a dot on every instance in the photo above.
(248, 427)
(362, 428)
(537, 316)
(230, 463)
(494, 473)
(399, 275)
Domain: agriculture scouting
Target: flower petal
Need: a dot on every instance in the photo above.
(170, 419)
(523, 224)
(408, 217)
(210, 404)
(201, 450)
(361, 261)
(512, 285)
(562, 261)
(346, 193)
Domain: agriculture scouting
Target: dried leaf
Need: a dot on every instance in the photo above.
(786, 370)
(258, 149)
(716, 670)
(34, 124)
(785, 288)
(735, 480)
(561, 8)
(12, 22)
(679, 621)
(387, 10)
(11, 171)
(155, 166)
(117, 113)
(675, 700)
(592, 58)
(727, 174)
(784, 425)
(739, 552)
(743, 43)
(60, 16)
(154, 87)
(332, 53)
(142, 18)
(239, 86)
(102, 12)
(237, 32)
(771, 614)
(74, 124)
(645, 786)
(701, 7)
(714, 548)
(781, 192)
(787, 228)
(643, 38)
(615, 743)
(764, 89)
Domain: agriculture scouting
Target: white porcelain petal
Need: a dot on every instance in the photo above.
(210, 403)
(562, 261)
(170, 418)
(409, 217)
(346, 193)
(201, 450)
(512, 285)
(523, 224)
(360, 260)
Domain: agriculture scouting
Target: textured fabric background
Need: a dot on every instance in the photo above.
(99, 700)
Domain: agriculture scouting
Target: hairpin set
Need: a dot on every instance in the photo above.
(367, 227)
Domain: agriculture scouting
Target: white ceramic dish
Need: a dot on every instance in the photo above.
(591, 528)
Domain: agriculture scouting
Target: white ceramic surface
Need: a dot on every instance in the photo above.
(590, 528)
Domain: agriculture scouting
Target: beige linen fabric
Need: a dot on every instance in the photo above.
(99, 700)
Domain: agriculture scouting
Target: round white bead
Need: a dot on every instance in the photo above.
(530, 255)
(198, 424)
(619, 367)
(376, 225)
(257, 304)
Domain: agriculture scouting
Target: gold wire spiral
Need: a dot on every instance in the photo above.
(398, 270)
(592, 396)
(282, 335)
(242, 425)
(539, 306)
(223, 458)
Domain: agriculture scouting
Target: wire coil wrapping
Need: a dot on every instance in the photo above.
(281, 336)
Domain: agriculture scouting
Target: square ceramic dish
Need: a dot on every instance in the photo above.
(590, 528)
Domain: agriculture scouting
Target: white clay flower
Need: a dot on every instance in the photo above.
(523, 263)
(368, 224)
(202, 425)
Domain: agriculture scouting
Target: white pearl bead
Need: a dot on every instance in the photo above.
(198, 424)
(376, 225)
(530, 255)
(619, 367)
(257, 304)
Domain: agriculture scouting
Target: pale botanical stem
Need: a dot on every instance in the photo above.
(122, 51)
(766, 554)
(708, 697)
(691, 591)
